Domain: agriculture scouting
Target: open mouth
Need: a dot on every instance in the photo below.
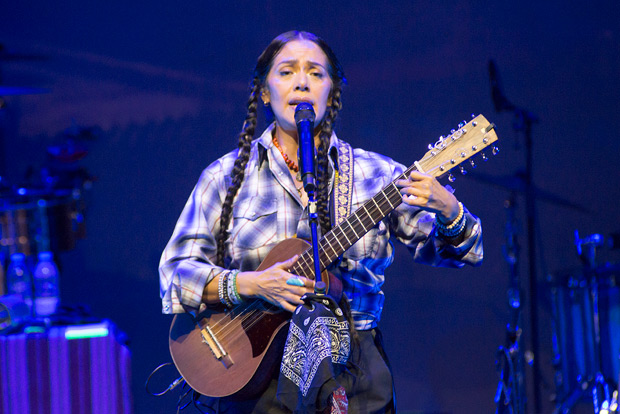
(295, 102)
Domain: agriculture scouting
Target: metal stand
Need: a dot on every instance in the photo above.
(594, 383)
(319, 286)
(510, 395)
(524, 120)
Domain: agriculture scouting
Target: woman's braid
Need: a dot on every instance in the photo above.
(238, 172)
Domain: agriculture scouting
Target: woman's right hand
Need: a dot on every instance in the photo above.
(271, 285)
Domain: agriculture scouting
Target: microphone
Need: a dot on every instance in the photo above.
(304, 118)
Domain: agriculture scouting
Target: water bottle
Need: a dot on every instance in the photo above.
(46, 290)
(19, 278)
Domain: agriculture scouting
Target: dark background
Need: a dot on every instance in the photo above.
(166, 85)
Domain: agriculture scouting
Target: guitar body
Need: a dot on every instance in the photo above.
(252, 337)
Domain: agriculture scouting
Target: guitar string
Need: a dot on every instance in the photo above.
(250, 312)
(224, 331)
(253, 314)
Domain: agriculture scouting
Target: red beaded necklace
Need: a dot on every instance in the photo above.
(291, 164)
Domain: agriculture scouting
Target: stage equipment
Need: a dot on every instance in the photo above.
(304, 118)
(47, 213)
(586, 330)
(36, 220)
(65, 369)
(511, 392)
(524, 120)
(13, 312)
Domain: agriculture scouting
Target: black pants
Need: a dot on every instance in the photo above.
(369, 385)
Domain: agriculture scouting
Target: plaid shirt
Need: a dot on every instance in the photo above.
(268, 209)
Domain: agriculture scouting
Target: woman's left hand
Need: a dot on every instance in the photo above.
(424, 191)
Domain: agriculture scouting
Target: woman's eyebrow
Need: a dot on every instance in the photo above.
(311, 63)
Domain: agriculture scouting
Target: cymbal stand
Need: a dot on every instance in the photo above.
(524, 120)
(510, 395)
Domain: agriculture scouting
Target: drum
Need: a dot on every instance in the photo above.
(586, 324)
(16, 222)
(41, 221)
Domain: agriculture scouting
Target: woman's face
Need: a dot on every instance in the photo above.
(298, 74)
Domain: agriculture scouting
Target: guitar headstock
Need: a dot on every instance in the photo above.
(461, 145)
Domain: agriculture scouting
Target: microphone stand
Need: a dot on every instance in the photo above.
(510, 395)
(304, 118)
(319, 286)
(524, 120)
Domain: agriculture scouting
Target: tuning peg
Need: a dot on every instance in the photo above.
(472, 163)
(452, 131)
(451, 178)
(473, 116)
(462, 169)
(430, 146)
(484, 156)
(495, 150)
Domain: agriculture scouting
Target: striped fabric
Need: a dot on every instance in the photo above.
(45, 373)
(267, 210)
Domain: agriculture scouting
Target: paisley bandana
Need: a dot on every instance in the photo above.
(316, 351)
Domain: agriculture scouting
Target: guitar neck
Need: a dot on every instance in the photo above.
(448, 152)
(339, 239)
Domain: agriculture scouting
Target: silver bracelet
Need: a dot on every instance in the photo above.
(223, 290)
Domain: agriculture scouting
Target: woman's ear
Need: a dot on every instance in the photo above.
(264, 95)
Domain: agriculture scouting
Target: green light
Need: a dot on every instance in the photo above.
(34, 329)
(87, 331)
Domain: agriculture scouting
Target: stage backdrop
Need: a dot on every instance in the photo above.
(165, 84)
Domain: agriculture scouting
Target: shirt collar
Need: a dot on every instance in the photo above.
(265, 142)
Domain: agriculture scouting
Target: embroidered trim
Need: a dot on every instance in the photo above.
(343, 188)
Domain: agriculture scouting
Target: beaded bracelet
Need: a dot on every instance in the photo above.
(223, 290)
(220, 288)
(454, 222)
(233, 293)
(454, 231)
(456, 227)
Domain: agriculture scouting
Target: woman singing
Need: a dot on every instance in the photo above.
(252, 198)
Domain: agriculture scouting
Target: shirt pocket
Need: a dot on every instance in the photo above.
(255, 223)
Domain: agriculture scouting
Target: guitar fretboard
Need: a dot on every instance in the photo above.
(447, 153)
(339, 239)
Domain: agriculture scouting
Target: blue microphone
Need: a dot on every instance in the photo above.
(304, 118)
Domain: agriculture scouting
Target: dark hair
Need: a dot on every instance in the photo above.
(263, 66)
